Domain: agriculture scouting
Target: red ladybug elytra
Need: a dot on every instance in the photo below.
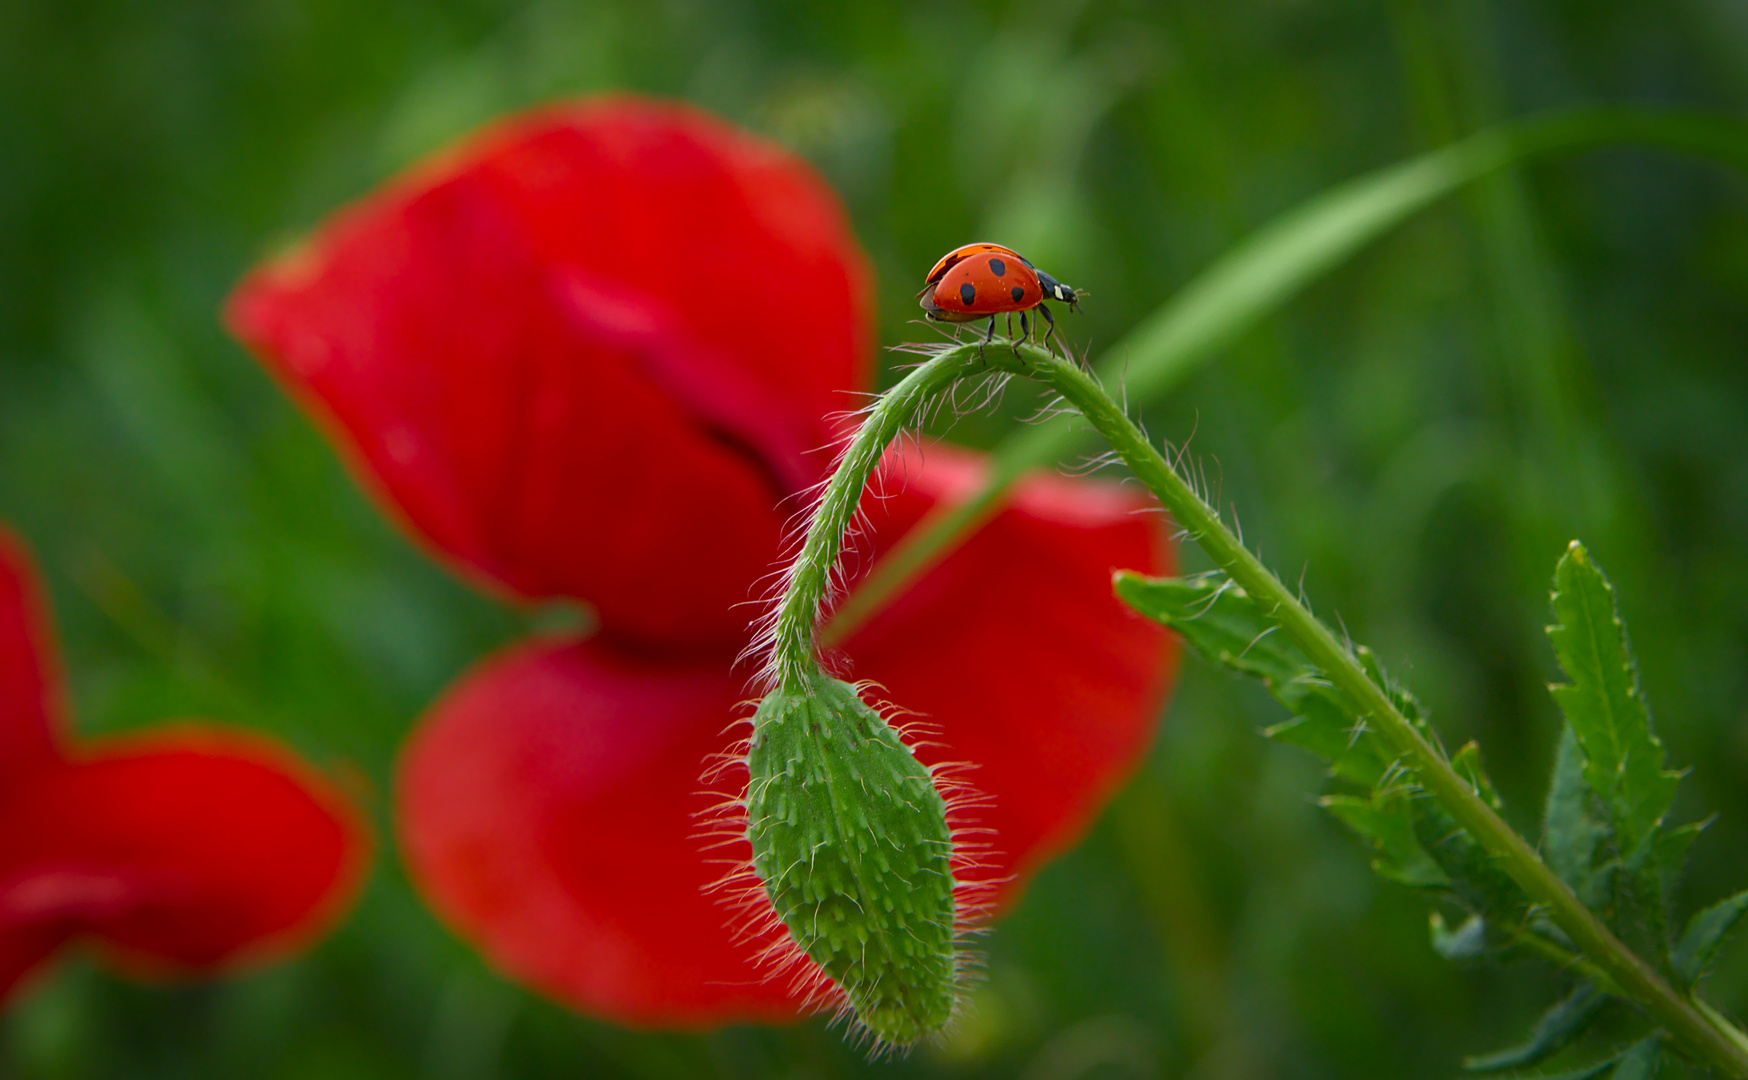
(978, 280)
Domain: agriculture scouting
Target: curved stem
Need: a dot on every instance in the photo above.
(792, 656)
(1711, 1036)
(1715, 1040)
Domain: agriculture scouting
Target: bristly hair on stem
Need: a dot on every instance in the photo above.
(1455, 784)
(785, 638)
(870, 861)
(808, 713)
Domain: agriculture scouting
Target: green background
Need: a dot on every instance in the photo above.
(1557, 353)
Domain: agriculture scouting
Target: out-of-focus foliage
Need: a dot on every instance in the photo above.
(1557, 354)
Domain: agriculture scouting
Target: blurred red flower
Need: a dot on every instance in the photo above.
(592, 354)
(183, 851)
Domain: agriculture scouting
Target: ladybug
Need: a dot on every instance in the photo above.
(976, 280)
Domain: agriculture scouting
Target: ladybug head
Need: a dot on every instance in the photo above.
(1055, 290)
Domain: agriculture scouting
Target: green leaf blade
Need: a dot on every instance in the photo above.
(1386, 824)
(1705, 934)
(1413, 840)
(1553, 1033)
(1623, 757)
(1641, 1061)
(1218, 620)
(1570, 831)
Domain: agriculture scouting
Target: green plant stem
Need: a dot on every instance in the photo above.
(1711, 1037)
(792, 656)
(1722, 1023)
(935, 537)
(793, 653)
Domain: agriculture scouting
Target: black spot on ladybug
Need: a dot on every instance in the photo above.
(1018, 294)
(968, 294)
(997, 267)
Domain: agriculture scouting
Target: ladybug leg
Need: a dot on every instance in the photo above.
(989, 337)
(1025, 328)
(1049, 318)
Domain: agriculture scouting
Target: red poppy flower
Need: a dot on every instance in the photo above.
(182, 851)
(594, 354)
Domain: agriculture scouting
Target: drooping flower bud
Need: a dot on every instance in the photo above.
(851, 841)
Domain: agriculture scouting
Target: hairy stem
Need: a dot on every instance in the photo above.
(1711, 1037)
(792, 657)
(1707, 1033)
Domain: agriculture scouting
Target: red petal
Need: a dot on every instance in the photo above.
(567, 353)
(547, 808)
(547, 804)
(32, 714)
(22, 953)
(182, 851)
(1016, 652)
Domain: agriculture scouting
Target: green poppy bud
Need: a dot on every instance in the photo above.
(851, 841)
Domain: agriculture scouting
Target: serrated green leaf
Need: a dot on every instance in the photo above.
(1416, 841)
(1623, 758)
(1639, 911)
(1386, 824)
(1585, 1071)
(1672, 846)
(1705, 934)
(1220, 621)
(1570, 831)
(1467, 762)
(1554, 1032)
(1326, 729)
(1478, 882)
(1634, 1056)
(1406, 703)
(1640, 1061)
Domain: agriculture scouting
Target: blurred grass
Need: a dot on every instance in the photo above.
(1254, 277)
(1557, 354)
